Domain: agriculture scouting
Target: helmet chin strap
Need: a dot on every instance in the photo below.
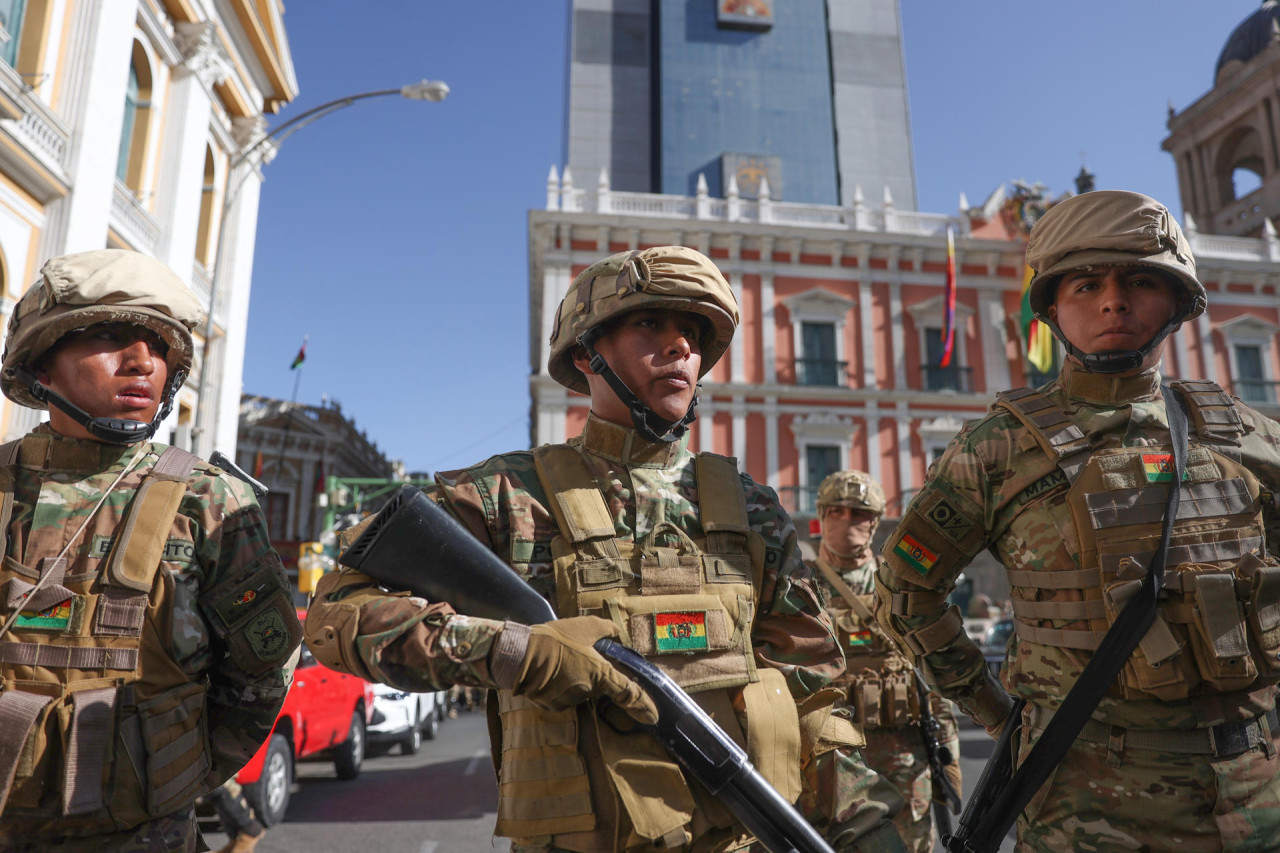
(110, 430)
(1114, 360)
(646, 422)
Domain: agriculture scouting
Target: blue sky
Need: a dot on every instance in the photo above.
(393, 233)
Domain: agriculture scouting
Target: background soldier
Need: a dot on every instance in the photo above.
(147, 622)
(627, 533)
(1066, 486)
(879, 681)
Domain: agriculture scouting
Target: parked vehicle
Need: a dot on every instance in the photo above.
(404, 718)
(325, 713)
(995, 644)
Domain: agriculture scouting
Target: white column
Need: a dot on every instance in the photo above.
(181, 184)
(895, 336)
(739, 410)
(873, 441)
(905, 482)
(771, 441)
(991, 325)
(98, 117)
(555, 284)
(236, 279)
(768, 328)
(865, 315)
(737, 361)
(706, 419)
(1206, 347)
(1184, 357)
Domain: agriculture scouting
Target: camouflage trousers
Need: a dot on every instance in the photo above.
(849, 805)
(1154, 801)
(175, 832)
(898, 755)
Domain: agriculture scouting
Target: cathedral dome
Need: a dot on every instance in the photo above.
(1251, 37)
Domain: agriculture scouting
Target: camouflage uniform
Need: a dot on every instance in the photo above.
(1176, 756)
(650, 491)
(878, 679)
(195, 661)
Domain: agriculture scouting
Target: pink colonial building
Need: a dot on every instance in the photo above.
(834, 364)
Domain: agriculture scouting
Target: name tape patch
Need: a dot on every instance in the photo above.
(181, 551)
(1039, 487)
(680, 632)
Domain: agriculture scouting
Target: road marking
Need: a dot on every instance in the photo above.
(474, 764)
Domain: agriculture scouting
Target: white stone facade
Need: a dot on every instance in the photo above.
(120, 123)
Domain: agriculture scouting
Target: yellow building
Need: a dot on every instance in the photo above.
(122, 124)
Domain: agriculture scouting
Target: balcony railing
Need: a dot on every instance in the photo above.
(799, 500)
(1258, 392)
(948, 378)
(821, 371)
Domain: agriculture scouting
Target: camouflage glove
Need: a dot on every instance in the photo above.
(554, 666)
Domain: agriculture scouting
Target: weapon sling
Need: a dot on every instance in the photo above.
(1112, 653)
(940, 810)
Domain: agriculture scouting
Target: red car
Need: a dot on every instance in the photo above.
(325, 711)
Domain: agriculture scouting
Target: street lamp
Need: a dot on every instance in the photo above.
(425, 90)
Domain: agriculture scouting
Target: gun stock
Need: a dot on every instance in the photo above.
(413, 544)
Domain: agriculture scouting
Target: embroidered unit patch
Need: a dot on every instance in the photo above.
(949, 521)
(916, 554)
(680, 632)
(267, 635)
(1159, 468)
(859, 638)
(55, 618)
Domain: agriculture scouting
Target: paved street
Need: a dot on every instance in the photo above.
(438, 801)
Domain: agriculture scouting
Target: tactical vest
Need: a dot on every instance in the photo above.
(100, 731)
(879, 680)
(689, 610)
(1218, 627)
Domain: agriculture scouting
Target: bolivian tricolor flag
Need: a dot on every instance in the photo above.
(949, 306)
(916, 554)
(859, 638)
(1037, 335)
(1159, 467)
(680, 632)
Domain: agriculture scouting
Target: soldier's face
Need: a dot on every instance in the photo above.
(1114, 308)
(656, 353)
(846, 530)
(111, 370)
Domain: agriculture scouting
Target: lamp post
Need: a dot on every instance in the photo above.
(426, 90)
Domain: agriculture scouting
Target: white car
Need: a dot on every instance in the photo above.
(405, 718)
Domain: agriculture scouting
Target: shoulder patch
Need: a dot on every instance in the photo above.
(949, 521)
(268, 637)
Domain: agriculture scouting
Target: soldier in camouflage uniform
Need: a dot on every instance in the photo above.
(628, 533)
(1068, 486)
(879, 681)
(145, 621)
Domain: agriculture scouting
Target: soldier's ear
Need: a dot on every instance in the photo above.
(581, 360)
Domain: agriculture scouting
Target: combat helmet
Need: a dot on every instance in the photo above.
(671, 277)
(84, 289)
(1111, 228)
(853, 489)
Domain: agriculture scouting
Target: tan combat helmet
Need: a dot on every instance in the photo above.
(671, 277)
(853, 489)
(80, 290)
(1111, 228)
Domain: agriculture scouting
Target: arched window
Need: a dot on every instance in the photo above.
(137, 111)
(1241, 168)
(11, 13)
(204, 232)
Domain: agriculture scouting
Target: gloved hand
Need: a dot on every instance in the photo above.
(560, 669)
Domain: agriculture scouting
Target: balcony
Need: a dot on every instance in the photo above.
(1257, 392)
(799, 500)
(821, 371)
(951, 378)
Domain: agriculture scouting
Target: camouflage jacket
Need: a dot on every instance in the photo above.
(864, 644)
(417, 645)
(975, 496)
(218, 541)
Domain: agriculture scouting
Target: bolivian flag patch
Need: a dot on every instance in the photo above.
(859, 638)
(1159, 467)
(55, 618)
(680, 632)
(916, 554)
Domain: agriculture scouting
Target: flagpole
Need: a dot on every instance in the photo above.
(288, 412)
